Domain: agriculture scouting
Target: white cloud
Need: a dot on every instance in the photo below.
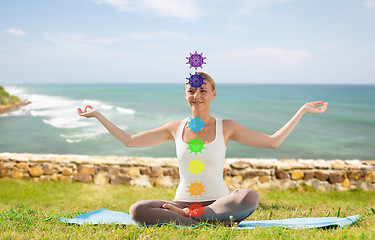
(326, 46)
(80, 39)
(120, 5)
(75, 42)
(249, 5)
(16, 32)
(107, 40)
(370, 3)
(156, 46)
(269, 57)
(164, 34)
(181, 9)
(1, 49)
(184, 9)
(168, 35)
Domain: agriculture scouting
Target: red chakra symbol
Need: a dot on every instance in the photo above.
(196, 60)
(196, 210)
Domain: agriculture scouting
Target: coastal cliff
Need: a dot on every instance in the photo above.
(9, 102)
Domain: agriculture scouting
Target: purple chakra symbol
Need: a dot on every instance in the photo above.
(196, 60)
(195, 80)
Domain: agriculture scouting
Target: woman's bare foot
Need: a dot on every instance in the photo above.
(175, 209)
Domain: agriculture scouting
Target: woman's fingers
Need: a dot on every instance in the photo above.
(175, 209)
(314, 107)
(318, 103)
(325, 106)
(322, 108)
(88, 106)
(85, 113)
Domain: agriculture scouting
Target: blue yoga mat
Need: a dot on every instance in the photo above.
(103, 216)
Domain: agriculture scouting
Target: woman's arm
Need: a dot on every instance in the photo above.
(150, 138)
(257, 139)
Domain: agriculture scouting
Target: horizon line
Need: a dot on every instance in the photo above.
(172, 83)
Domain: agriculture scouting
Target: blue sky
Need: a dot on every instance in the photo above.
(245, 41)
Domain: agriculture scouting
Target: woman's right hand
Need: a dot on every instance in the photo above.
(88, 114)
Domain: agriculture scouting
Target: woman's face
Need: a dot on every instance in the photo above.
(200, 98)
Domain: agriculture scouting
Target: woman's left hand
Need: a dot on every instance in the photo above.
(88, 114)
(312, 108)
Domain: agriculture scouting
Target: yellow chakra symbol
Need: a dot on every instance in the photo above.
(196, 166)
(196, 189)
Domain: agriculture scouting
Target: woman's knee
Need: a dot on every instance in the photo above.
(249, 203)
(249, 197)
(134, 210)
(139, 210)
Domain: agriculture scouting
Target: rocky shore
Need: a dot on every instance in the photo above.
(12, 107)
(257, 174)
(10, 102)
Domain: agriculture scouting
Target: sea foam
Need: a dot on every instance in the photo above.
(61, 113)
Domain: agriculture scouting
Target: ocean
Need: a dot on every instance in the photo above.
(51, 123)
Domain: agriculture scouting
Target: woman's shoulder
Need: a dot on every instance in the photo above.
(229, 122)
(173, 125)
(230, 125)
(177, 122)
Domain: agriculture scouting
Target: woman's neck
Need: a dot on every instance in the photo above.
(205, 117)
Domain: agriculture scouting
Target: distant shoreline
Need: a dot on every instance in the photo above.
(176, 83)
(13, 107)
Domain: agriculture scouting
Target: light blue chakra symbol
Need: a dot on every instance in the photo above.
(196, 125)
(196, 60)
(195, 80)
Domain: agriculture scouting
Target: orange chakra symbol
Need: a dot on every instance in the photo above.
(196, 189)
(196, 210)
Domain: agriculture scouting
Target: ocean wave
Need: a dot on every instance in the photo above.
(73, 141)
(86, 134)
(125, 110)
(91, 102)
(83, 135)
(61, 113)
(58, 111)
(66, 124)
(22, 111)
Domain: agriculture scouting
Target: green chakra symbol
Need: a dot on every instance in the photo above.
(196, 145)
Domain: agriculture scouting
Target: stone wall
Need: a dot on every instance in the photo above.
(256, 174)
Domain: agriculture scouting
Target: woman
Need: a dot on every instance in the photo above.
(202, 195)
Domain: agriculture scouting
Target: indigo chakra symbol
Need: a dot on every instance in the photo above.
(196, 60)
(196, 81)
(196, 125)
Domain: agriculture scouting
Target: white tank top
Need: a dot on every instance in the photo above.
(201, 174)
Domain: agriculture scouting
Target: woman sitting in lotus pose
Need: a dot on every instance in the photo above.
(201, 141)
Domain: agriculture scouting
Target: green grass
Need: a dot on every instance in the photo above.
(31, 210)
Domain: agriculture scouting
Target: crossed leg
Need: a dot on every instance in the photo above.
(239, 204)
